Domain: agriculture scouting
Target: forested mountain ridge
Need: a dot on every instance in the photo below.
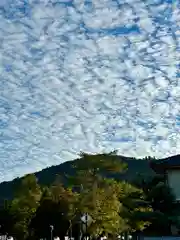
(47, 176)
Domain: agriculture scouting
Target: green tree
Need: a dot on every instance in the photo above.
(41, 221)
(100, 163)
(24, 205)
(136, 209)
(58, 208)
(6, 221)
(91, 169)
(67, 201)
(162, 200)
(111, 204)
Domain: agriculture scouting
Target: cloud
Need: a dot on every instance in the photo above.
(87, 76)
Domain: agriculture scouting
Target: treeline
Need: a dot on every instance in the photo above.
(115, 207)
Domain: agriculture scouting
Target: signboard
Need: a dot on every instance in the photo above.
(86, 218)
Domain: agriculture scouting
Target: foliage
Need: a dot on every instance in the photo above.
(115, 206)
(136, 209)
(106, 199)
(47, 176)
(103, 205)
(161, 199)
(97, 163)
(53, 210)
(24, 205)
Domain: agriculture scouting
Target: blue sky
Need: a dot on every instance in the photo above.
(91, 76)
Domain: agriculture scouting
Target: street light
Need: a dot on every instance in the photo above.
(52, 228)
(70, 222)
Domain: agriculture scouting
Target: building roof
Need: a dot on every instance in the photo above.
(160, 166)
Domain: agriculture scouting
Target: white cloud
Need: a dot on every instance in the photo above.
(76, 78)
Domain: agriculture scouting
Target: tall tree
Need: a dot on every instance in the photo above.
(58, 209)
(91, 168)
(67, 201)
(104, 199)
(6, 221)
(24, 205)
(165, 209)
(136, 209)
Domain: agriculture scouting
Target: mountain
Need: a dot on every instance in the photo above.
(47, 176)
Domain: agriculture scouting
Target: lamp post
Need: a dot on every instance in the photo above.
(86, 225)
(70, 221)
(51, 228)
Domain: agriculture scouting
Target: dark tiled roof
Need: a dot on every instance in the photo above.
(166, 163)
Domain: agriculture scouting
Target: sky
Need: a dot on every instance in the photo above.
(87, 75)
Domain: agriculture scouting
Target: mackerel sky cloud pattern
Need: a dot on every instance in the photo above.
(87, 75)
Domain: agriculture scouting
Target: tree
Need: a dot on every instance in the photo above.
(115, 206)
(57, 208)
(92, 168)
(41, 221)
(162, 200)
(105, 214)
(111, 204)
(24, 205)
(6, 221)
(136, 209)
(67, 201)
(100, 163)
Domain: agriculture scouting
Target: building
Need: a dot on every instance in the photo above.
(170, 167)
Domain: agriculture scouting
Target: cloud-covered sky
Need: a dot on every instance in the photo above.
(87, 75)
